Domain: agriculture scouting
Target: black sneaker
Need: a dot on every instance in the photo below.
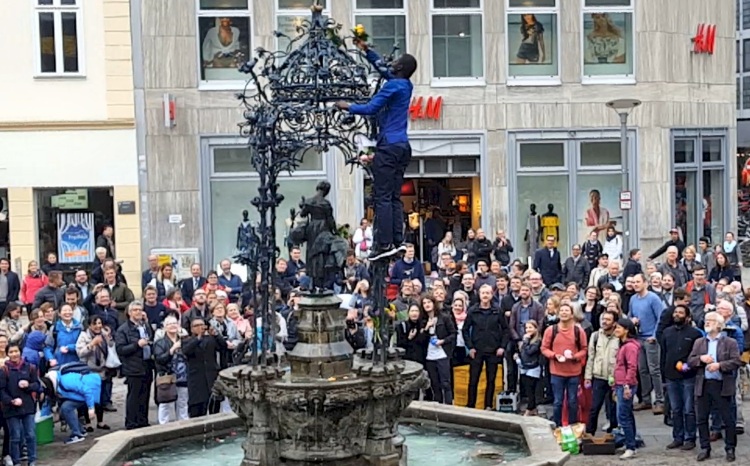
(703, 455)
(730, 455)
(687, 446)
(674, 445)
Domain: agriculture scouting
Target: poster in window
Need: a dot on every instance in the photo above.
(532, 44)
(75, 237)
(224, 46)
(607, 44)
(599, 205)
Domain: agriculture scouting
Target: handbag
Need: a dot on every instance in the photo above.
(166, 388)
(112, 361)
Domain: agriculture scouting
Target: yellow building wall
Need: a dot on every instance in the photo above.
(22, 228)
(118, 60)
(128, 237)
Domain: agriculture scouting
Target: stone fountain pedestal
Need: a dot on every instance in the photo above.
(332, 408)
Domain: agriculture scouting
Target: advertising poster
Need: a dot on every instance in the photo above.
(599, 205)
(75, 237)
(606, 48)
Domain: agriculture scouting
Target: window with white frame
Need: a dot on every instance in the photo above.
(608, 45)
(224, 39)
(457, 39)
(59, 40)
(289, 16)
(532, 40)
(385, 23)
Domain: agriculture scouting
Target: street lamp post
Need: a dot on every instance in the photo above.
(623, 107)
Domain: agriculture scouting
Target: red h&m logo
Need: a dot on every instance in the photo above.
(705, 39)
(429, 110)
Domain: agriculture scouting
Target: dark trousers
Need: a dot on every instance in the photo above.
(136, 403)
(440, 380)
(601, 394)
(459, 358)
(6, 435)
(388, 167)
(475, 371)
(563, 387)
(511, 369)
(682, 403)
(528, 385)
(197, 410)
(712, 397)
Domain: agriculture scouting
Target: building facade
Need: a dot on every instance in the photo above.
(509, 111)
(68, 160)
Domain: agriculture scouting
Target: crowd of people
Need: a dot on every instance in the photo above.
(580, 334)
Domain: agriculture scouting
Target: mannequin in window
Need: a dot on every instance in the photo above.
(533, 226)
(550, 224)
(244, 233)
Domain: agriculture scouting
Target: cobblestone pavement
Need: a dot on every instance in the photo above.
(57, 454)
(656, 437)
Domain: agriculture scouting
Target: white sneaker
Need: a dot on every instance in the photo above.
(627, 455)
(7, 461)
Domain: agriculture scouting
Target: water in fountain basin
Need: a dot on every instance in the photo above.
(427, 446)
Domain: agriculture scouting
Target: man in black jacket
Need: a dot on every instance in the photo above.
(485, 333)
(633, 266)
(547, 262)
(482, 248)
(676, 344)
(502, 248)
(10, 285)
(133, 342)
(674, 240)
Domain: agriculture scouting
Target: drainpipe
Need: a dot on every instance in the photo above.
(136, 33)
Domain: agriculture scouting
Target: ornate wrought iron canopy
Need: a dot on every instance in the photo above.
(288, 111)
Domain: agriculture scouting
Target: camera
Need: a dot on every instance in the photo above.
(351, 325)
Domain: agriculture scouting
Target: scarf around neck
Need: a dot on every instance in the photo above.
(460, 317)
(729, 247)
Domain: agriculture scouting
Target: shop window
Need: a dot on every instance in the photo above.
(738, 90)
(465, 165)
(553, 191)
(608, 38)
(684, 151)
(594, 154)
(746, 92)
(532, 36)
(542, 155)
(58, 41)
(699, 196)
(224, 35)
(413, 168)
(712, 150)
(385, 23)
(230, 198)
(66, 216)
(745, 55)
(457, 39)
(745, 14)
(238, 160)
(435, 166)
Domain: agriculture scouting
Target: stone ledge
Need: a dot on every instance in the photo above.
(536, 432)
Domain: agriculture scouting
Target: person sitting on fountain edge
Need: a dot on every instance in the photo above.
(392, 151)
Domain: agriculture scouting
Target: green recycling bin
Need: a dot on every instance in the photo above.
(45, 430)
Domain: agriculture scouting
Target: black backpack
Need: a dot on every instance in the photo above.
(576, 329)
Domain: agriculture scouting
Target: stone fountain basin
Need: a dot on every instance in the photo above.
(114, 448)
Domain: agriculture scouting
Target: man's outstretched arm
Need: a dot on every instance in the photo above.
(375, 104)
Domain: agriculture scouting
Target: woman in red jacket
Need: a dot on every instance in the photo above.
(626, 381)
(34, 281)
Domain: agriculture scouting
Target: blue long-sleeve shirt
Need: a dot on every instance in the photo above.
(403, 270)
(648, 311)
(390, 105)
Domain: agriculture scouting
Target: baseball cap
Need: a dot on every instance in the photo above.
(557, 287)
(674, 231)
